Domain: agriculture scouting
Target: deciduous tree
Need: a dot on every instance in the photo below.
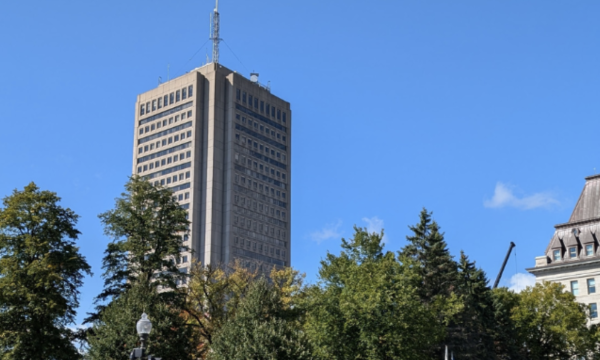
(41, 272)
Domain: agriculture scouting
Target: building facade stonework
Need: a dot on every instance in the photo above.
(222, 143)
(572, 257)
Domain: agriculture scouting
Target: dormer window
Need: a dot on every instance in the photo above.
(556, 255)
(573, 252)
(576, 232)
(589, 249)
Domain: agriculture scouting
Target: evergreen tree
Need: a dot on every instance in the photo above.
(141, 274)
(260, 331)
(506, 338)
(437, 280)
(471, 330)
(41, 271)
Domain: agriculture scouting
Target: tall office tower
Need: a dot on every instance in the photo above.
(222, 143)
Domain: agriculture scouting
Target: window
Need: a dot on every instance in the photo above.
(187, 175)
(148, 107)
(589, 249)
(591, 284)
(575, 288)
(184, 259)
(166, 100)
(262, 106)
(171, 98)
(153, 105)
(255, 103)
(556, 255)
(190, 113)
(177, 95)
(244, 97)
(183, 94)
(139, 169)
(273, 111)
(142, 110)
(238, 94)
(278, 114)
(151, 127)
(268, 109)
(180, 197)
(189, 133)
(190, 90)
(141, 131)
(250, 99)
(284, 117)
(140, 150)
(187, 194)
(159, 103)
(573, 252)
(188, 154)
(183, 115)
(593, 310)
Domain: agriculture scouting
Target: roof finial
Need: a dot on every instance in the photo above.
(214, 36)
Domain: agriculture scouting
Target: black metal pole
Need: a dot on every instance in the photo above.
(143, 339)
(512, 245)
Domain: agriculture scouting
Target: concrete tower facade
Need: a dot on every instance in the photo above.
(222, 143)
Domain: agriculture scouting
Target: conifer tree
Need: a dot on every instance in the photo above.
(471, 330)
(41, 272)
(141, 274)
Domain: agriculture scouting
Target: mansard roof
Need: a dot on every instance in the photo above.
(583, 228)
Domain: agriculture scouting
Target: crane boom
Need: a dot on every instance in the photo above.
(512, 245)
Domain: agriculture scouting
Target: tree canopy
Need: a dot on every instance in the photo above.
(41, 272)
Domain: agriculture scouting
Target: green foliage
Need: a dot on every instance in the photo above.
(213, 297)
(115, 335)
(367, 305)
(550, 324)
(260, 330)
(141, 274)
(507, 343)
(41, 271)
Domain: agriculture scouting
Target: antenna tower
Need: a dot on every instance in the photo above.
(214, 36)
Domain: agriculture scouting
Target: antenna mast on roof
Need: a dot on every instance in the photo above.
(214, 36)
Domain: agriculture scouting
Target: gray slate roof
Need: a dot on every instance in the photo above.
(582, 229)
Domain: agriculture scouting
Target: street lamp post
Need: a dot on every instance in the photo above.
(143, 327)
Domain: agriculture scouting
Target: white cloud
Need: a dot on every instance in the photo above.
(519, 281)
(375, 224)
(504, 197)
(330, 231)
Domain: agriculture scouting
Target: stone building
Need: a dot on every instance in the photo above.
(572, 256)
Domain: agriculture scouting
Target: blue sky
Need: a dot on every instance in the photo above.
(484, 112)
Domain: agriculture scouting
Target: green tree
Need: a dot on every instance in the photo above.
(41, 271)
(437, 281)
(507, 344)
(141, 274)
(470, 333)
(260, 330)
(367, 305)
(550, 324)
(213, 297)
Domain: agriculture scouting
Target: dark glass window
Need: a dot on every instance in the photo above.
(142, 112)
(249, 99)
(244, 97)
(177, 95)
(255, 103)
(171, 98)
(159, 103)
(183, 93)
(273, 111)
(593, 310)
(268, 109)
(190, 90)
(153, 105)
(278, 114)
(262, 106)
(166, 100)
(284, 116)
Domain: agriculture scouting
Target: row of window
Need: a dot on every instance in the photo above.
(270, 152)
(253, 185)
(258, 206)
(171, 120)
(256, 256)
(166, 100)
(257, 166)
(256, 135)
(173, 179)
(165, 142)
(260, 128)
(164, 152)
(264, 108)
(573, 253)
(591, 287)
(259, 247)
(163, 162)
